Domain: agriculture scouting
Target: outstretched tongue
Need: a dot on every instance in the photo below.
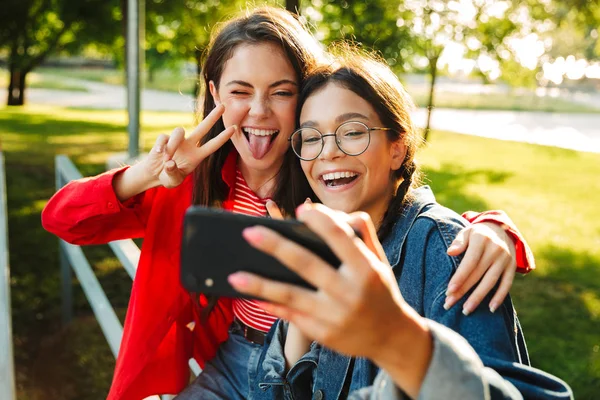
(259, 145)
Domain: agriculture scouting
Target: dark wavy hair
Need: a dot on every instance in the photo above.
(371, 78)
(261, 25)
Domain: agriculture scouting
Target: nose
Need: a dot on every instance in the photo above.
(330, 148)
(259, 107)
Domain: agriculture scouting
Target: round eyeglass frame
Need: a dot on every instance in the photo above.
(334, 134)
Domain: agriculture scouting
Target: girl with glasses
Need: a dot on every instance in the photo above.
(384, 307)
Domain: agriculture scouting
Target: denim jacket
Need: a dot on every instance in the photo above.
(494, 364)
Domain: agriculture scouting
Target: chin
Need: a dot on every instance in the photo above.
(339, 205)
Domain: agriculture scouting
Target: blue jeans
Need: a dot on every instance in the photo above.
(228, 375)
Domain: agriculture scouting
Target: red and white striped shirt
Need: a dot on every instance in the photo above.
(247, 202)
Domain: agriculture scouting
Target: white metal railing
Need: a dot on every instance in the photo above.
(72, 257)
(7, 366)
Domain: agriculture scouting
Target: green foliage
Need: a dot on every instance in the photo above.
(30, 30)
(180, 30)
(370, 23)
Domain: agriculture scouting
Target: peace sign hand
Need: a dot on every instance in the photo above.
(174, 157)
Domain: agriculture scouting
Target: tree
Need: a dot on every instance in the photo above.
(33, 29)
(410, 34)
(180, 30)
(370, 23)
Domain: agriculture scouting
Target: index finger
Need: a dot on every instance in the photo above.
(362, 222)
(207, 123)
(467, 266)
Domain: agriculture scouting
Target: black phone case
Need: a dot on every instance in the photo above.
(213, 248)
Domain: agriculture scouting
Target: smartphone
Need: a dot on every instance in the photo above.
(213, 248)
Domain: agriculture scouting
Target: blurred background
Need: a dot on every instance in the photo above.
(509, 105)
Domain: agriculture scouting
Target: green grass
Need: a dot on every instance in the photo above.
(167, 80)
(551, 194)
(43, 81)
(51, 361)
(500, 101)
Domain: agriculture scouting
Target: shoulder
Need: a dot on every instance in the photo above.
(423, 223)
(436, 218)
(424, 267)
(430, 236)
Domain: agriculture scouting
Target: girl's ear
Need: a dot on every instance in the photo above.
(398, 153)
(214, 92)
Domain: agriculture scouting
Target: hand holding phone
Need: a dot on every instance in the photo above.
(213, 248)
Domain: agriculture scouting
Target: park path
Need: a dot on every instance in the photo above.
(571, 131)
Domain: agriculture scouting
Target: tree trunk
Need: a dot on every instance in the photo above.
(150, 74)
(433, 74)
(123, 5)
(198, 55)
(16, 87)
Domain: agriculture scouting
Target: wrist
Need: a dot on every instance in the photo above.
(133, 181)
(143, 178)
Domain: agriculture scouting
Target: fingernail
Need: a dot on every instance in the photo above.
(238, 280)
(252, 235)
(191, 326)
(466, 310)
(453, 247)
(308, 201)
(158, 148)
(451, 288)
(170, 164)
(234, 127)
(493, 307)
(448, 303)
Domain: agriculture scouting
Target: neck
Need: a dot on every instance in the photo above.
(377, 211)
(262, 183)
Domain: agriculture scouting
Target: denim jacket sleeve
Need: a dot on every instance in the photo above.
(454, 360)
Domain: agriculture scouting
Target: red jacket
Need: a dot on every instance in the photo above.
(156, 345)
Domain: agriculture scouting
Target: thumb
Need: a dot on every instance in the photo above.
(174, 175)
(459, 245)
(273, 210)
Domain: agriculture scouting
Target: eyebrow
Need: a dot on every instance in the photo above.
(339, 119)
(272, 85)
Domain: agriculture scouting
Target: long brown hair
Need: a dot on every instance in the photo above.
(262, 25)
(371, 78)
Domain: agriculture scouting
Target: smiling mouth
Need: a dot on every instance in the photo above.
(260, 140)
(337, 179)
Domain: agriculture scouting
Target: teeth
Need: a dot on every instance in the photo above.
(260, 132)
(338, 175)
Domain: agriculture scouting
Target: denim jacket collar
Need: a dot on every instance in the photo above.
(392, 244)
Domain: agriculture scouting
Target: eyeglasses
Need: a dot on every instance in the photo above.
(352, 138)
